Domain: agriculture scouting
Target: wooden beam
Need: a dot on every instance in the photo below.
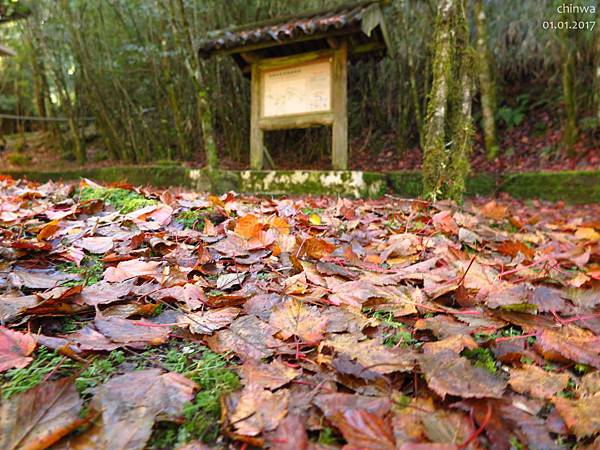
(292, 60)
(297, 121)
(256, 133)
(339, 92)
(333, 42)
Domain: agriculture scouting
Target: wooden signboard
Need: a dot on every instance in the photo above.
(300, 91)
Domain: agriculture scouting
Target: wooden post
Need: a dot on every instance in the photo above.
(339, 156)
(256, 133)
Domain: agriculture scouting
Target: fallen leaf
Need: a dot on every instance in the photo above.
(365, 430)
(448, 373)
(129, 405)
(259, 410)
(248, 226)
(295, 318)
(290, 434)
(582, 415)
(269, 376)
(131, 332)
(132, 269)
(209, 321)
(41, 416)
(537, 382)
(248, 336)
(15, 349)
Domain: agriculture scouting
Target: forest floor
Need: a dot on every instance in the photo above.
(152, 319)
(533, 145)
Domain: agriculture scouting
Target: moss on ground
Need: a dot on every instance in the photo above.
(570, 186)
(90, 271)
(122, 200)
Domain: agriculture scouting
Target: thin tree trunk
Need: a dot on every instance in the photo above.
(569, 98)
(486, 83)
(434, 142)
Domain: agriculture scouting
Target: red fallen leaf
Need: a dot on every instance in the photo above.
(15, 349)
(131, 332)
(128, 405)
(364, 430)
(131, 269)
(290, 434)
(259, 410)
(448, 373)
(41, 416)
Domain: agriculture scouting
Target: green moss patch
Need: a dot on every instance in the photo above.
(122, 200)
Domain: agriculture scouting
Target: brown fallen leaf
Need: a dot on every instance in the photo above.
(295, 318)
(582, 416)
(332, 404)
(41, 416)
(132, 268)
(537, 382)
(317, 248)
(371, 354)
(364, 430)
(290, 434)
(209, 321)
(48, 230)
(97, 245)
(259, 410)
(248, 336)
(269, 376)
(129, 331)
(15, 348)
(248, 226)
(448, 373)
(128, 406)
(570, 343)
(103, 292)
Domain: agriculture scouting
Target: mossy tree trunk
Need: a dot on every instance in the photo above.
(435, 152)
(597, 65)
(567, 49)
(449, 128)
(461, 120)
(487, 89)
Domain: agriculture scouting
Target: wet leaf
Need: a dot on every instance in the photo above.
(295, 318)
(365, 430)
(15, 349)
(41, 416)
(259, 410)
(448, 373)
(537, 382)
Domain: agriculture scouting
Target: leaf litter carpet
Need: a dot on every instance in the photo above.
(136, 319)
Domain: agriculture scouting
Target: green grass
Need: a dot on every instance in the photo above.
(90, 271)
(201, 416)
(122, 200)
(328, 436)
(481, 357)
(98, 372)
(15, 381)
(395, 332)
(193, 218)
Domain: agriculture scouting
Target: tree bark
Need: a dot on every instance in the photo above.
(486, 83)
(569, 97)
(434, 142)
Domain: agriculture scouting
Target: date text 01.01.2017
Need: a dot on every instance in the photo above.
(568, 25)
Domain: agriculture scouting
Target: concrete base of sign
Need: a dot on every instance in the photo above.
(570, 186)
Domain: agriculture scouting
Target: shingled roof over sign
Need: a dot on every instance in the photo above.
(362, 23)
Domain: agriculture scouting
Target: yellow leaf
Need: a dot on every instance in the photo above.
(248, 226)
(314, 219)
(587, 233)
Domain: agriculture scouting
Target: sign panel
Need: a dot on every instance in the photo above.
(299, 89)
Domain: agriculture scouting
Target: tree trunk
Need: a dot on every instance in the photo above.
(461, 120)
(434, 142)
(569, 97)
(486, 83)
